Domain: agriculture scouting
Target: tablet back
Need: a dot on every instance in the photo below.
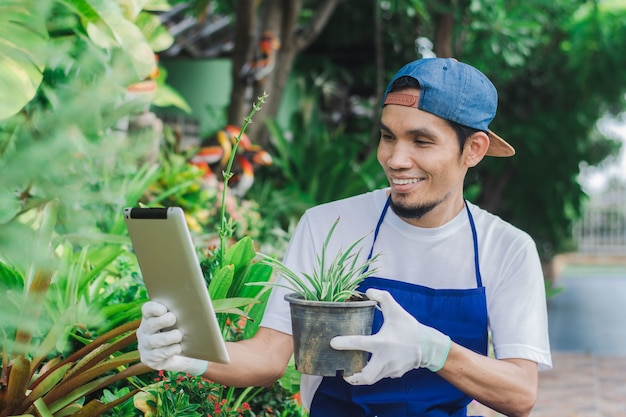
(173, 277)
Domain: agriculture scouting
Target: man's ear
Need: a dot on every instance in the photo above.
(475, 148)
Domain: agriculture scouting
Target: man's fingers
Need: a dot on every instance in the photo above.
(388, 304)
(165, 353)
(384, 298)
(163, 339)
(153, 309)
(350, 342)
(156, 324)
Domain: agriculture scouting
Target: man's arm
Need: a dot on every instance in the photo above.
(508, 386)
(258, 361)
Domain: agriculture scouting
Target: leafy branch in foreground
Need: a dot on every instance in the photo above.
(336, 282)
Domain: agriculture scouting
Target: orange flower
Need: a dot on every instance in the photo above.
(296, 397)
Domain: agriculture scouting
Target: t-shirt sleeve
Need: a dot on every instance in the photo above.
(518, 310)
(300, 257)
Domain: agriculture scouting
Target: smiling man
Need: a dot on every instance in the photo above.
(449, 273)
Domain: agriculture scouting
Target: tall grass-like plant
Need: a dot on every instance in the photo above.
(334, 279)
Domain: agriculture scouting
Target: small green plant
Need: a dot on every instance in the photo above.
(336, 282)
(175, 394)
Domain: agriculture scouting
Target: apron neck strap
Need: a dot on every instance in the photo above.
(479, 280)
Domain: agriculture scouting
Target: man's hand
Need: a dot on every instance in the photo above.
(402, 344)
(161, 349)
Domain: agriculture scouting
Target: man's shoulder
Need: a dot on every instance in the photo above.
(493, 224)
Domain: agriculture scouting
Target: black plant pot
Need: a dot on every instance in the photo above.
(315, 323)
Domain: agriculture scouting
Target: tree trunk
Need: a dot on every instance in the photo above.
(493, 188)
(245, 42)
(281, 18)
(443, 35)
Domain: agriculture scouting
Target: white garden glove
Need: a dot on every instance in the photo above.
(402, 344)
(159, 349)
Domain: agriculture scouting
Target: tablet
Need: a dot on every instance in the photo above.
(173, 277)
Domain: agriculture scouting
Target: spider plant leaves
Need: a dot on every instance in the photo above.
(334, 282)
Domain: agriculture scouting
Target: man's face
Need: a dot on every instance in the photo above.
(420, 155)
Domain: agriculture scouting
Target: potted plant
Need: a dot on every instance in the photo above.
(326, 304)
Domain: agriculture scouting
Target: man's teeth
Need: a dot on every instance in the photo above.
(404, 181)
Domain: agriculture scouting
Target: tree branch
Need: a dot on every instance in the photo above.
(312, 31)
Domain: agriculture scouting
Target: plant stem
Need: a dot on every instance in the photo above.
(224, 231)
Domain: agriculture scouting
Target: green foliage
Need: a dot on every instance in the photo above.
(23, 34)
(549, 108)
(185, 395)
(282, 398)
(124, 409)
(175, 394)
(227, 283)
(33, 30)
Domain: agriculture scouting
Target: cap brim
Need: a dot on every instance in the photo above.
(498, 146)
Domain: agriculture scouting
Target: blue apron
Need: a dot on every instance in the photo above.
(459, 313)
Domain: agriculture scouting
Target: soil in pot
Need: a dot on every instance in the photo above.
(315, 323)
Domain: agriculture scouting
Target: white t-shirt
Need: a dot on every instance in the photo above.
(441, 257)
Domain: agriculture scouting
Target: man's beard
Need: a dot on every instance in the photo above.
(414, 212)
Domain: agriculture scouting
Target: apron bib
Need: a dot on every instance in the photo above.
(459, 313)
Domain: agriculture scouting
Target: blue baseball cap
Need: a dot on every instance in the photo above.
(453, 91)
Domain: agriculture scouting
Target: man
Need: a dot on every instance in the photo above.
(448, 272)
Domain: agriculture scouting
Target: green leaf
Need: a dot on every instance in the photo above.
(166, 96)
(155, 33)
(108, 27)
(42, 409)
(23, 38)
(50, 381)
(226, 305)
(241, 253)
(221, 281)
